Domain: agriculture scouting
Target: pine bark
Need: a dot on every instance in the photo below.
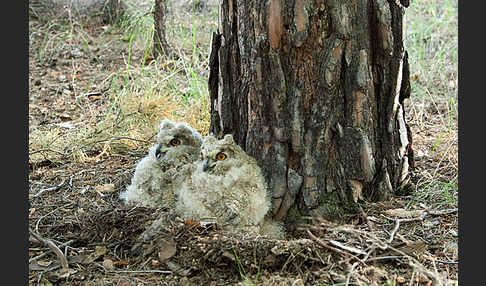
(314, 91)
(161, 46)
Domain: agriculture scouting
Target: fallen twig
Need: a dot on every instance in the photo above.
(49, 213)
(122, 138)
(55, 188)
(322, 243)
(394, 231)
(447, 262)
(400, 220)
(348, 248)
(134, 271)
(348, 278)
(385, 257)
(47, 150)
(46, 270)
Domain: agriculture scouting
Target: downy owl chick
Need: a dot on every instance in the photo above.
(158, 176)
(227, 184)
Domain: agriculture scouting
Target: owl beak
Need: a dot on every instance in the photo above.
(159, 153)
(206, 165)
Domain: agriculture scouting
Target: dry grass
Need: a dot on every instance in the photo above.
(132, 98)
(432, 41)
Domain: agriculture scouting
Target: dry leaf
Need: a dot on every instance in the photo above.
(155, 263)
(108, 264)
(65, 273)
(167, 249)
(71, 76)
(36, 266)
(99, 251)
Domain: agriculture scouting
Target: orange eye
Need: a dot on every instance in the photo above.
(175, 142)
(221, 156)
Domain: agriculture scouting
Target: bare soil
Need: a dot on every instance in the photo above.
(75, 205)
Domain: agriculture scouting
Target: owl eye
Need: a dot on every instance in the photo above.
(175, 142)
(221, 156)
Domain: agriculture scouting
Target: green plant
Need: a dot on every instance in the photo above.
(242, 271)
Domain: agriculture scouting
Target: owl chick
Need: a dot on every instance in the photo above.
(228, 185)
(158, 176)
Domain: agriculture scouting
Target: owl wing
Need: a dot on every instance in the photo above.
(140, 187)
(249, 195)
(150, 185)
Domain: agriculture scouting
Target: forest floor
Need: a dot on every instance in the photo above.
(95, 100)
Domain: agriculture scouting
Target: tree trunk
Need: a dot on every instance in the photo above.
(113, 9)
(160, 16)
(314, 91)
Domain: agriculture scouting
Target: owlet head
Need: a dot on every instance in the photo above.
(219, 156)
(176, 137)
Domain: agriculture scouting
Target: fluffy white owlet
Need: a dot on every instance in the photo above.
(228, 185)
(158, 176)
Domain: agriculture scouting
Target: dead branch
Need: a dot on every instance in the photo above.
(443, 212)
(45, 253)
(53, 247)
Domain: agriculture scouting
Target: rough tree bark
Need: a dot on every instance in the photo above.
(314, 90)
(161, 46)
